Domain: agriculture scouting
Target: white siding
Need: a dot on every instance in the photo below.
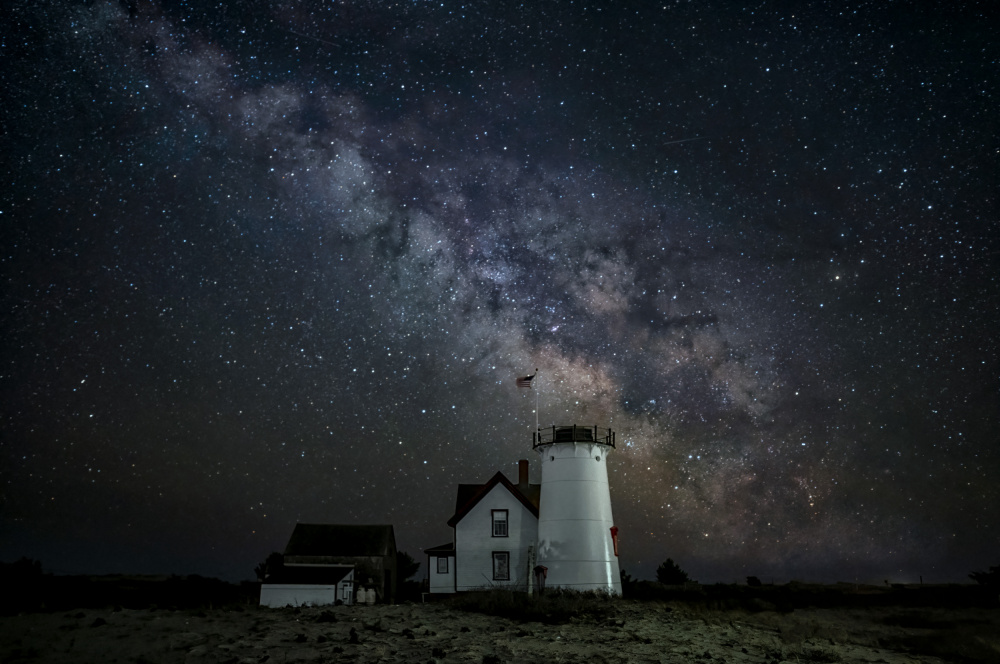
(475, 544)
(442, 583)
(308, 594)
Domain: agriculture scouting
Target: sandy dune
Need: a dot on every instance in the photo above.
(639, 632)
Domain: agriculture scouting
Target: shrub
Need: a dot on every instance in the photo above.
(989, 579)
(274, 563)
(669, 573)
(406, 566)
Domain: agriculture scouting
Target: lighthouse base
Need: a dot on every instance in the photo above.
(583, 576)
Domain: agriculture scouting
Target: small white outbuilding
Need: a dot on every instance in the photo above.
(334, 563)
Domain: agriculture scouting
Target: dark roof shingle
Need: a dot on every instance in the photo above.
(470, 494)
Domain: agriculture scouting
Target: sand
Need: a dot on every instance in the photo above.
(638, 632)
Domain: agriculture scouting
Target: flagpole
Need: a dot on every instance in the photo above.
(537, 387)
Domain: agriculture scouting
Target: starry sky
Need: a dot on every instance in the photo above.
(268, 262)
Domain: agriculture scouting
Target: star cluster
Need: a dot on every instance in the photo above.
(284, 261)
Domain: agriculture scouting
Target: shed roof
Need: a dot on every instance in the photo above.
(446, 549)
(327, 539)
(318, 574)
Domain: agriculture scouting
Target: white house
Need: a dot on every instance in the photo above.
(496, 525)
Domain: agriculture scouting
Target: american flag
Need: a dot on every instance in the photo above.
(525, 381)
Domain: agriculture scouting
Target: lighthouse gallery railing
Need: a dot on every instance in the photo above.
(573, 433)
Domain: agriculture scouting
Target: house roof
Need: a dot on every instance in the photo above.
(466, 492)
(326, 539)
(470, 494)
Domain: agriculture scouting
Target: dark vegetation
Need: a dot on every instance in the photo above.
(27, 589)
(559, 605)
(553, 607)
(989, 579)
(407, 590)
(669, 573)
(788, 597)
(941, 621)
(274, 563)
(674, 587)
(931, 632)
(946, 621)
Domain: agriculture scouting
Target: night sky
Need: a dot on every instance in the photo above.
(268, 262)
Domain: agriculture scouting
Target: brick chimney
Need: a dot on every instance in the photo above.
(522, 473)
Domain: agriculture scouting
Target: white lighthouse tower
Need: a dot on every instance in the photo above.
(577, 540)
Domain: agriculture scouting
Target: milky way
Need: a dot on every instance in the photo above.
(283, 262)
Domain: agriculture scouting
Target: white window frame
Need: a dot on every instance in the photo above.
(442, 559)
(501, 526)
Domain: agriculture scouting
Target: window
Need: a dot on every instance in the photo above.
(501, 566)
(442, 565)
(499, 523)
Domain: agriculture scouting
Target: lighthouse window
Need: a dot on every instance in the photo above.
(501, 566)
(499, 523)
(442, 565)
